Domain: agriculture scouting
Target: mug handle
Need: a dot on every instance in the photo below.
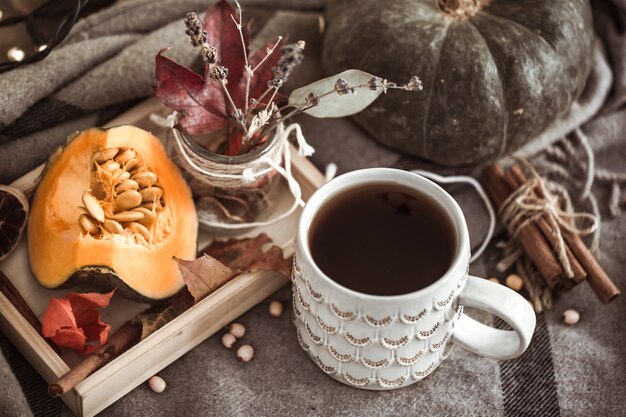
(502, 302)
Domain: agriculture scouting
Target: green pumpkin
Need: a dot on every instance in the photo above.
(495, 74)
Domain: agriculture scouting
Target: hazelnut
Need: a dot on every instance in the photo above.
(514, 282)
(157, 384)
(245, 353)
(236, 329)
(276, 308)
(228, 340)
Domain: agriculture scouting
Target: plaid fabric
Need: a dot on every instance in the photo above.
(105, 66)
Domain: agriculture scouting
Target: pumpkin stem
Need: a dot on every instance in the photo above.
(461, 9)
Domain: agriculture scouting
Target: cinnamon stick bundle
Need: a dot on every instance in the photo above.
(597, 278)
(540, 243)
(530, 237)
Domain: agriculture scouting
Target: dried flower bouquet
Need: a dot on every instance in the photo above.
(235, 108)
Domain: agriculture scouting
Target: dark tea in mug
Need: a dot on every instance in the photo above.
(383, 239)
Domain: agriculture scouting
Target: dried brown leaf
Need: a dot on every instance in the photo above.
(158, 316)
(249, 255)
(203, 275)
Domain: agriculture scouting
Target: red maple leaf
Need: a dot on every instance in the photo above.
(74, 322)
(200, 101)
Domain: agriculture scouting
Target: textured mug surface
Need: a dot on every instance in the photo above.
(386, 342)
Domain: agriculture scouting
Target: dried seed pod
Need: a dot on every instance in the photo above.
(514, 282)
(571, 317)
(104, 155)
(113, 227)
(127, 200)
(126, 185)
(141, 229)
(110, 166)
(245, 353)
(125, 156)
(151, 194)
(88, 224)
(149, 216)
(236, 329)
(218, 72)
(228, 340)
(146, 178)
(276, 308)
(157, 384)
(127, 216)
(341, 87)
(131, 163)
(93, 207)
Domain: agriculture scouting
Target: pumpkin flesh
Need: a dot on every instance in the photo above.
(62, 254)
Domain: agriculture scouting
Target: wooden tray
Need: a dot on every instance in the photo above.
(148, 357)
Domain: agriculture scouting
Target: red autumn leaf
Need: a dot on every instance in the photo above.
(74, 323)
(224, 36)
(200, 102)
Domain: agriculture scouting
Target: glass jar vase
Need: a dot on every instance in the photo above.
(231, 192)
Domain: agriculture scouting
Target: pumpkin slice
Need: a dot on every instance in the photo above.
(112, 210)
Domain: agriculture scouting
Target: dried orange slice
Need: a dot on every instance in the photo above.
(13, 215)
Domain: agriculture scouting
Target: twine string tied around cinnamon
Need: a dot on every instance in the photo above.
(535, 199)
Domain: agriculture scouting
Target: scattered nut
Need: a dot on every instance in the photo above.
(514, 282)
(228, 340)
(245, 353)
(494, 279)
(236, 329)
(276, 308)
(571, 317)
(157, 384)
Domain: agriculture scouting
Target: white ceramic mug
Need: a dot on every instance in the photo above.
(386, 342)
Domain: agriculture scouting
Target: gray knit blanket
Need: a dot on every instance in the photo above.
(105, 66)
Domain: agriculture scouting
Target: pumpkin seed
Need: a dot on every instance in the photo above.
(110, 166)
(126, 155)
(104, 155)
(141, 229)
(152, 206)
(128, 200)
(88, 224)
(131, 163)
(93, 207)
(120, 175)
(151, 194)
(146, 178)
(149, 216)
(113, 226)
(126, 185)
(127, 216)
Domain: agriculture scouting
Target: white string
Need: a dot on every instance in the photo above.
(168, 121)
(481, 192)
(304, 148)
(331, 171)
